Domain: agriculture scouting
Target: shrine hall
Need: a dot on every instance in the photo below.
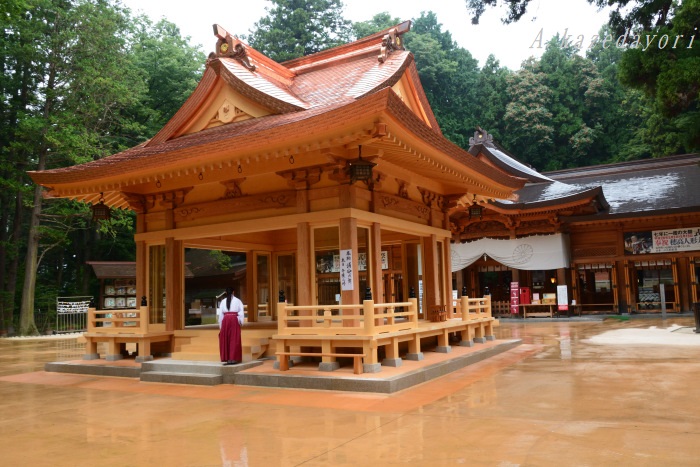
(350, 227)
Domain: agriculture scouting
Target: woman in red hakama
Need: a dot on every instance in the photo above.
(230, 318)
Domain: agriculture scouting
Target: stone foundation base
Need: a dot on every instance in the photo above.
(414, 356)
(328, 366)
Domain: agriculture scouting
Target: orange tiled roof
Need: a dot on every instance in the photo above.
(268, 130)
(307, 96)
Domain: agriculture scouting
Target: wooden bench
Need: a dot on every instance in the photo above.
(595, 308)
(356, 364)
(546, 309)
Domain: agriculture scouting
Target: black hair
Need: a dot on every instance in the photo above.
(229, 294)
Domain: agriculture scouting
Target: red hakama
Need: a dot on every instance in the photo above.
(230, 346)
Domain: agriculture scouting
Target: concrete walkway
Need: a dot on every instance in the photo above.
(573, 393)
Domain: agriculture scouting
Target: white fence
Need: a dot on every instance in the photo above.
(71, 313)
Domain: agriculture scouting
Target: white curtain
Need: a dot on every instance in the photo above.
(539, 252)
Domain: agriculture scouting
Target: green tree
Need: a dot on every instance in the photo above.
(72, 80)
(491, 98)
(379, 22)
(627, 14)
(620, 112)
(15, 81)
(667, 71)
(82, 79)
(529, 128)
(171, 68)
(670, 76)
(295, 28)
(449, 75)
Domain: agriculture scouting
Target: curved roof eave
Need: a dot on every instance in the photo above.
(576, 199)
(416, 126)
(506, 162)
(250, 135)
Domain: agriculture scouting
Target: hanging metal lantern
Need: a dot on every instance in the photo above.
(100, 211)
(475, 212)
(360, 169)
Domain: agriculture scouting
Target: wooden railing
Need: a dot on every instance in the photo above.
(466, 308)
(118, 321)
(365, 319)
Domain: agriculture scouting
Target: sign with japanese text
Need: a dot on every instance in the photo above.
(514, 297)
(346, 271)
(562, 298)
(662, 241)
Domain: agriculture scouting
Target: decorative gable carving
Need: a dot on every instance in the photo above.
(228, 113)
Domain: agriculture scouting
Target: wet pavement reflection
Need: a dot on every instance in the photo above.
(560, 398)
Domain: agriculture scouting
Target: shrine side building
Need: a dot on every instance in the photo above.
(622, 238)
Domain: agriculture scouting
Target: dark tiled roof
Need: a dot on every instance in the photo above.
(538, 195)
(113, 269)
(502, 159)
(120, 269)
(655, 185)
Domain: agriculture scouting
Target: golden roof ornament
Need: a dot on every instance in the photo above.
(393, 40)
(229, 46)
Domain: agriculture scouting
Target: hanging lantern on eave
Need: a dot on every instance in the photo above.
(360, 169)
(475, 211)
(100, 211)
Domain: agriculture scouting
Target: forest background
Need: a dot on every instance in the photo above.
(84, 79)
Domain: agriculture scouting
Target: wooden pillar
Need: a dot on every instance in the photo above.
(431, 286)
(304, 250)
(302, 201)
(174, 284)
(141, 260)
(251, 274)
(375, 254)
(348, 241)
(447, 276)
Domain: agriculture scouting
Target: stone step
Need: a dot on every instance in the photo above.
(196, 356)
(181, 378)
(182, 366)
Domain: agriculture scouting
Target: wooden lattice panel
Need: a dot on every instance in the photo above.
(593, 252)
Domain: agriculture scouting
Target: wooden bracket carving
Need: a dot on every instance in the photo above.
(432, 199)
(168, 199)
(304, 178)
(233, 188)
(403, 188)
(138, 203)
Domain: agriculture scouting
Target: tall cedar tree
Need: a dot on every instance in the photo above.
(669, 72)
(295, 28)
(82, 80)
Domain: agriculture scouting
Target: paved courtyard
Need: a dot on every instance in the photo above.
(574, 393)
